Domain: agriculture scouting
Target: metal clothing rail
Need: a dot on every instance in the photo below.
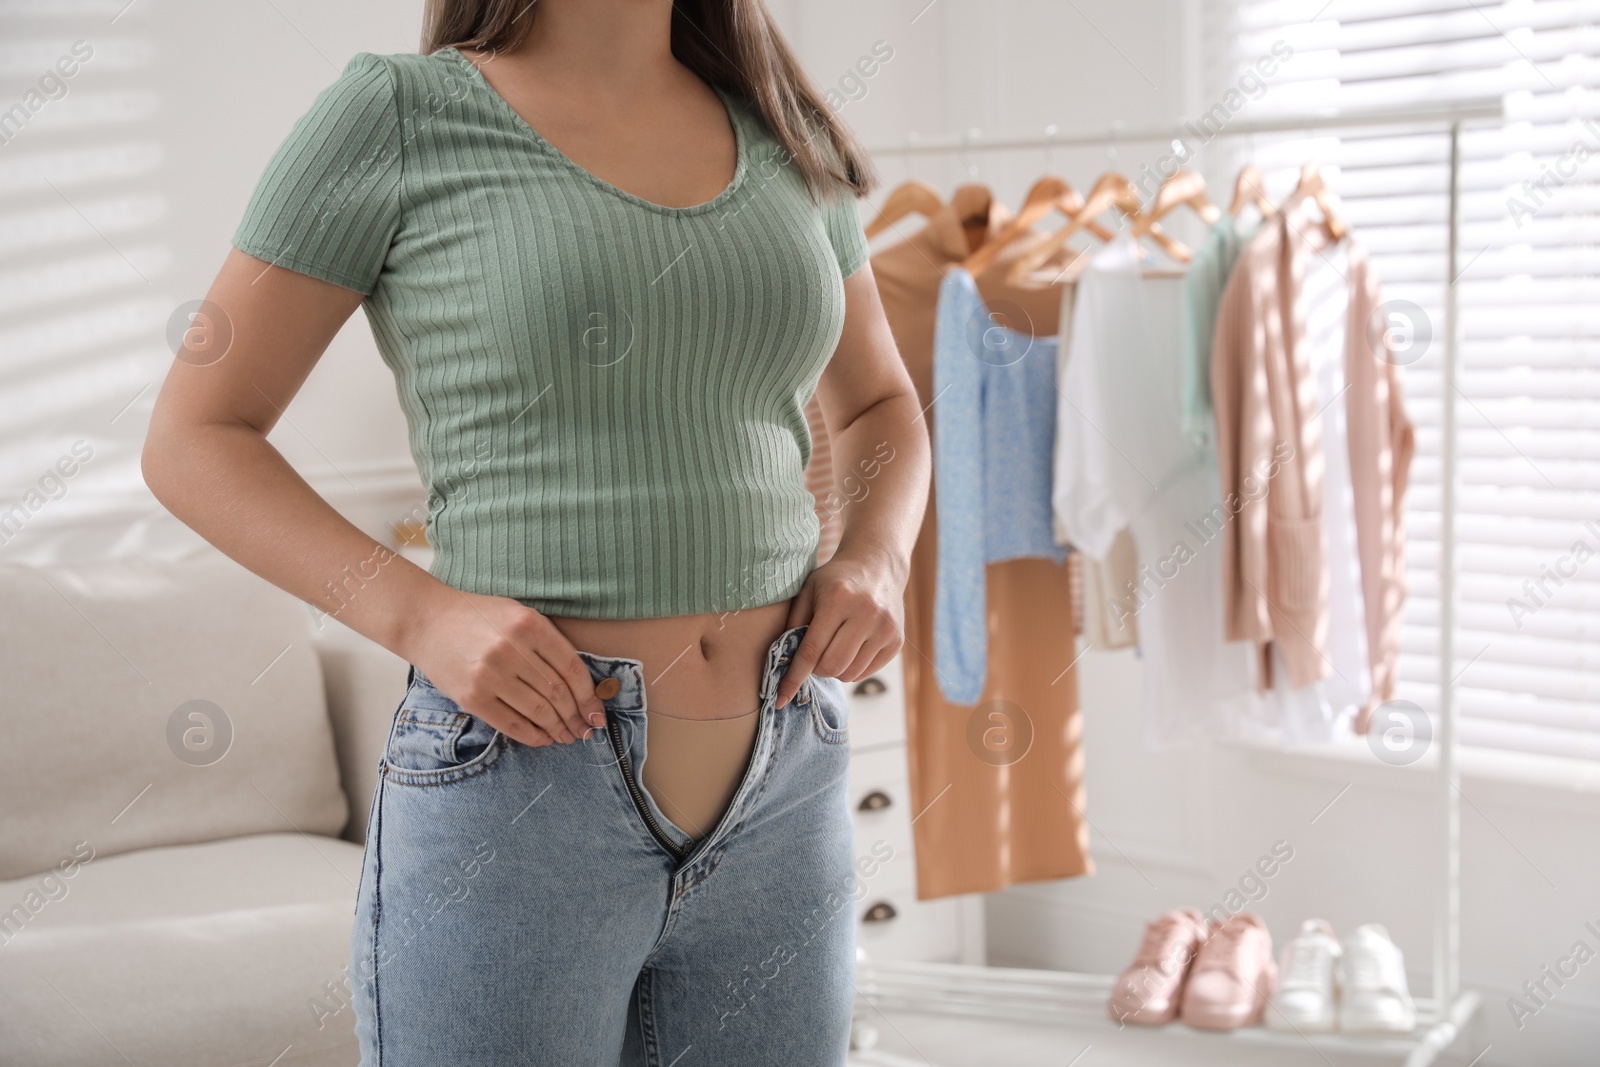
(1444, 114)
(993, 991)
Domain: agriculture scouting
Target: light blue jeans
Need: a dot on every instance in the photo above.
(534, 906)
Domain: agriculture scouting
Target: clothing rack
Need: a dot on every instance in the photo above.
(1450, 114)
(1079, 999)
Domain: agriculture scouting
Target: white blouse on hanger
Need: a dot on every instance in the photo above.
(1109, 621)
(1123, 460)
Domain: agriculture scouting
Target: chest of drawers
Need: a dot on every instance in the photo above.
(892, 923)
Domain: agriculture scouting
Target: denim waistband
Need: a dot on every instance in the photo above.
(629, 673)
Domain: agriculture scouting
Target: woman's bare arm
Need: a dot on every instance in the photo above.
(207, 459)
(854, 603)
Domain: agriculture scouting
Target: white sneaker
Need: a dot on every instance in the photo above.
(1374, 997)
(1305, 999)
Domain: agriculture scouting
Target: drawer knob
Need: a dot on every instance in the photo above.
(881, 912)
(871, 687)
(876, 800)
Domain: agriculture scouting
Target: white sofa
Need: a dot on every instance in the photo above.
(177, 879)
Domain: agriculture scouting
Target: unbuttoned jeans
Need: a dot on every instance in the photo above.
(534, 906)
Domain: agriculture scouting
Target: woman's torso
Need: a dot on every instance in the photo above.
(702, 665)
(605, 396)
(609, 406)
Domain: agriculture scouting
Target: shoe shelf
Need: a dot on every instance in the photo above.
(1069, 999)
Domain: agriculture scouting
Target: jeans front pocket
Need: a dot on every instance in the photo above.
(830, 714)
(433, 741)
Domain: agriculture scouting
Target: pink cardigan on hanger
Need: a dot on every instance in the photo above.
(1269, 451)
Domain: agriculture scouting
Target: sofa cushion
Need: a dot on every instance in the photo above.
(157, 703)
(232, 952)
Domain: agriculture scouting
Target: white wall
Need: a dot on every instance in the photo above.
(988, 68)
(345, 430)
(1170, 828)
(214, 88)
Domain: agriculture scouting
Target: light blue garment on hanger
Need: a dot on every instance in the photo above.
(1203, 284)
(993, 445)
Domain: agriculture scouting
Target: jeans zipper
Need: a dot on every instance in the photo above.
(650, 823)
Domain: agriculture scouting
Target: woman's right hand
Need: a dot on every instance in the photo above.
(207, 458)
(508, 665)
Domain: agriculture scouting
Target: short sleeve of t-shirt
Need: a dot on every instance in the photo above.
(328, 203)
(844, 230)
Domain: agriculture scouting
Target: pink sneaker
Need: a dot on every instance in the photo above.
(1148, 992)
(1233, 976)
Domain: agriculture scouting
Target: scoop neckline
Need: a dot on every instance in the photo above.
(728, 104)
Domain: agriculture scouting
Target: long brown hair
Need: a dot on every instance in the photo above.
(732, 44)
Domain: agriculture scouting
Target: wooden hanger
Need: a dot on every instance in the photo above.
(974, 205)
(1040, 201)
(1071, 204)
(1185, 188)
(911, 198)
(1048, 194)
(1313, 187)
(1250, 188)
(1110, 190)
(1170, 245)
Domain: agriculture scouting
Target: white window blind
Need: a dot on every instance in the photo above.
(83, 270)
(1529, 416)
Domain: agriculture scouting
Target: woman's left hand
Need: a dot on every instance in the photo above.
(854, 613)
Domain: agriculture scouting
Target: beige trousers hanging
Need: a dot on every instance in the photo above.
(998, 787)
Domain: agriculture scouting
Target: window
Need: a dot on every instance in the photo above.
(1528, 532)
(82, 270)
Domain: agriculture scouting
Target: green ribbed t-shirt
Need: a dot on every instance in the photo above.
(605, 396)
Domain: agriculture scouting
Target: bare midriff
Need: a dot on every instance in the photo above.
(695, 666)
